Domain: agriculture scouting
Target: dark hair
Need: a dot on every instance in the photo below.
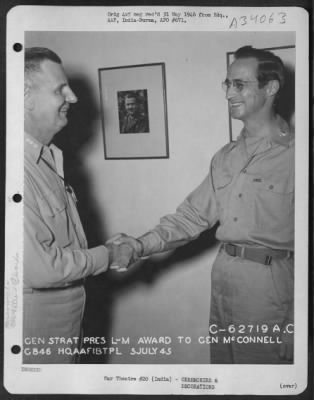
(34, 56)
(131, 95)
(270, 67)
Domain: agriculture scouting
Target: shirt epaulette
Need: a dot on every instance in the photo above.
(283, 134)
(33, 147)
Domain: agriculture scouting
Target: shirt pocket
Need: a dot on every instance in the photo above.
(54, 210)
(274, 204)
(283, 185)
(222, 181)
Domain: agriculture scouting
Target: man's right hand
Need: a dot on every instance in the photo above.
(124, 251)
(120, 238)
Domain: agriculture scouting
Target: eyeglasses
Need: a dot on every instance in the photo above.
(238, 84)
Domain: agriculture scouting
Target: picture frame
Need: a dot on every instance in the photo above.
(134, 111)
(286, 102)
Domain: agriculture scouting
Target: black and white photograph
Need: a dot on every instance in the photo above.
(133, 102)
(159, 243)
(133, 111)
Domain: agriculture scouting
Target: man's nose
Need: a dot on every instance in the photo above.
(70, 96)
(231, 92)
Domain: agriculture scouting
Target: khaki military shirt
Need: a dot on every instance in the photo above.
(55, 246)
(249, 191)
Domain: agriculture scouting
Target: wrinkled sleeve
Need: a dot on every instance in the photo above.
(46, 264)
(197, 213)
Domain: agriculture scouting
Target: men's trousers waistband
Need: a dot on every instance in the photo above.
(260, 255)
(71, 285)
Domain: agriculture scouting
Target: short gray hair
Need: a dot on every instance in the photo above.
(34, 56)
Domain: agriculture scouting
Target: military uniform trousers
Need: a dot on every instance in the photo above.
(249, 301)
(57, 311)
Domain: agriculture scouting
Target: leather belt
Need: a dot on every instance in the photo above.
(260, 255)
(71, 285)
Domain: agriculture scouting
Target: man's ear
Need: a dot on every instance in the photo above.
(272, 87)
(28, 98)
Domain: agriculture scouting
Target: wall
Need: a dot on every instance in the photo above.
(167, 297)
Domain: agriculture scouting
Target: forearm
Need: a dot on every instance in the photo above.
(55, 266)
(165, 237)
(196, 214)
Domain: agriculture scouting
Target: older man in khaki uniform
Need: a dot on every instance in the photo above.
(56, 255)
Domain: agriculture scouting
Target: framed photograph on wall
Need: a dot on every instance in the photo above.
(286, 102)
(134, 111)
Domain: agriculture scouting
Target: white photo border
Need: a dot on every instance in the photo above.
(89, 379)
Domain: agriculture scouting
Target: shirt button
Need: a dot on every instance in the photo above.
(240, 195)
(271, 187)
(235, 219)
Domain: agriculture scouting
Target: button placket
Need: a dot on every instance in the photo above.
(235, 204)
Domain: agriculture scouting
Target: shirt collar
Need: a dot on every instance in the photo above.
(33, 147)
(280, 134)
(37, 149)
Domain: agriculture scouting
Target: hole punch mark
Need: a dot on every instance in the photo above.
(16, 349)
(17, 47)
(17, 198)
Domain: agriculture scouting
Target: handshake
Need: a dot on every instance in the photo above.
(124, 251)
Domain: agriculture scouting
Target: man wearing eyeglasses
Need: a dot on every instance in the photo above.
(249, 191)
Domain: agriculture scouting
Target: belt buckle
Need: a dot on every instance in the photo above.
(232, 249)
